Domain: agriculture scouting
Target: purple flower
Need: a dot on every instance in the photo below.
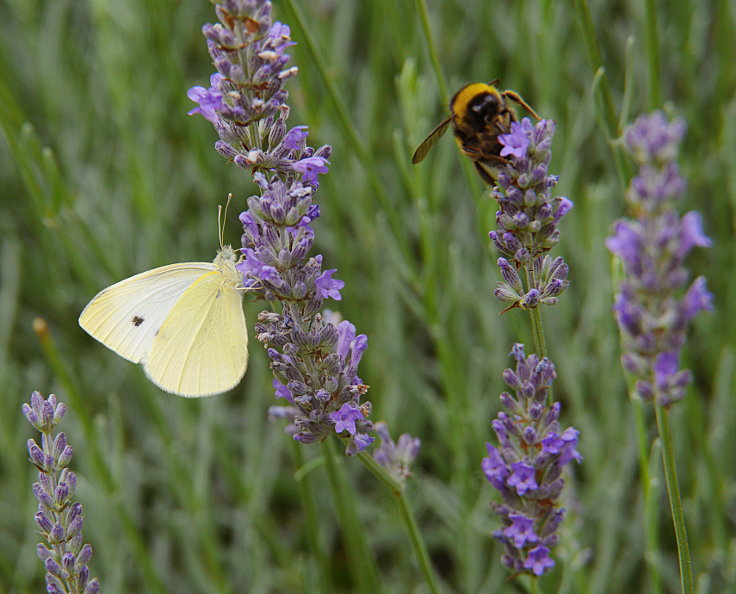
(313, 356)
(396, 457)
(345, 418)
(697, 299)
(539, 560)
(654, 138)
(495, 468)
(328, 286)
(516, 143)
(360, 442)
(295, 138)
(652, 245)
(521, 530)
(522, 478)
(282, 391)
(58, 517)
(251, 265)
(528, 218)
(209, 100)
(526, 469)
(310, 167)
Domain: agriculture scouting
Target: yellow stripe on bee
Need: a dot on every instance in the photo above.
(459, 103)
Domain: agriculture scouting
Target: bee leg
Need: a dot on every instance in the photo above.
(514, 96)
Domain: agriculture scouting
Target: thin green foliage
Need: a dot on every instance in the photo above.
(104, 175)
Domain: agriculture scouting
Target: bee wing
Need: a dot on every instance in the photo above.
(430, 141)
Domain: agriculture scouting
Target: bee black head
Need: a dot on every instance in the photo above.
(483, 108)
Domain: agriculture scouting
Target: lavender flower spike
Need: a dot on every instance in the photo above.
(60, 520)
(396, 457)
(527, 466)
(314, 357)
(650, 307)
(528, 217)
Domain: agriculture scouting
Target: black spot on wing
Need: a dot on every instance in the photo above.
(137, 321)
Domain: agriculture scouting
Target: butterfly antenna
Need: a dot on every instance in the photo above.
(222, 219)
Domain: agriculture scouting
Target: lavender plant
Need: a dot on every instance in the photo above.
(652, 246)
(64, 555)
(652, 318)
(396, 457)
(528, 217)
(526, 470)
(313, 357)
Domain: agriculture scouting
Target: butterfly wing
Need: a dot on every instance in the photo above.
(202, 347)
(126, 316)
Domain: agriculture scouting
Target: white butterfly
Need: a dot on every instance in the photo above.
(184, 322)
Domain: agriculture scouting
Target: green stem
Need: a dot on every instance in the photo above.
(649, 494)
(306, 496)
(417, 542)
(427, 30)
(655, 92)
(596, 61)
(535, 315)
(673, 490)
(407, 517)
(361, 561)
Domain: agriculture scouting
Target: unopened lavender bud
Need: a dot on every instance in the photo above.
(74, 544)
(31, 415)
(57, 534)
(53, 567)
(510, 275)
(44, 523)
(511, 379)
(43, 497)
(54, 585)
(530, 300)
(37, 401)
(323, 395)
(47, 414)
(93, 587)
(59, 444)
(68, 562)
(75, 527)
(508, 402)
(530, 435)
(644, 390)
(536, 410)
(36, 455)
(82, 575)
(43, 552)
(505, 293)
(84, 555)
(64, 490)
(226, 150)
(65, 457)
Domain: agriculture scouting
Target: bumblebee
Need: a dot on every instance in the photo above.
(478, 113)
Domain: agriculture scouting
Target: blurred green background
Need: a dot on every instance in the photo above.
(103, 175)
